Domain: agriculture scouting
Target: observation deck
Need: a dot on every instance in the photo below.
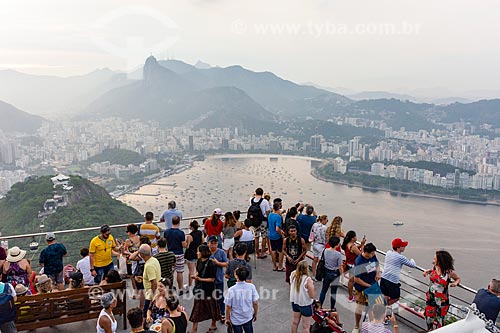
(275, 312)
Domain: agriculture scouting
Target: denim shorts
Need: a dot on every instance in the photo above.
(305, 311)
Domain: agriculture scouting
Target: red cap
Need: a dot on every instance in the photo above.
(398, 242)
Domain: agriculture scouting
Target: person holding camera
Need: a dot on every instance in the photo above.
(377, 324)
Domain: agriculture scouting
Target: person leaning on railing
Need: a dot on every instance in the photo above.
(438, 298)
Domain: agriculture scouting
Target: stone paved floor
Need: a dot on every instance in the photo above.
(274, 308)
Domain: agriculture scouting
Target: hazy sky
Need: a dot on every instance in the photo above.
(363, 45)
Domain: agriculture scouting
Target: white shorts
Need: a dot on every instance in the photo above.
(318, 250)
(228, 243)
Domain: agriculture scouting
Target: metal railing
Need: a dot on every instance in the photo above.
(77, 238)
(413, 288)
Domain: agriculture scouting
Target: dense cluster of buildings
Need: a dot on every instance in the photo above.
(61, 144)
(121, 171)
(450, 180)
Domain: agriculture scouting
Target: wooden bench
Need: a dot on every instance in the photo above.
(67, 306)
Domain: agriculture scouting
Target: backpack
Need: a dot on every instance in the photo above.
(7, 307)
(254, 213)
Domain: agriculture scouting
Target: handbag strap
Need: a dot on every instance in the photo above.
(204, 268)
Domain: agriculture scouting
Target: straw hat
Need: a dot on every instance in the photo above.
(21, 289)
(41, 279)
(15, 254)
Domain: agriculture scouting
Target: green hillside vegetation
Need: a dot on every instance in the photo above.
(19, 208)
(88, 205)
(118, 156)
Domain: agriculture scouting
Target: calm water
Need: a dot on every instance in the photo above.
(469, 232)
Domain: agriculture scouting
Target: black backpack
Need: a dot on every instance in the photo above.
(7, 307)
(254, 213)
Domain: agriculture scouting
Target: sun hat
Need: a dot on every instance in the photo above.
(41, 279)
(15, 254)
(20, 289)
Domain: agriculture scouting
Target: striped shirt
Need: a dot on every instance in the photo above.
(167, 262)
(394, 261)
(150, 231)
(374, 328)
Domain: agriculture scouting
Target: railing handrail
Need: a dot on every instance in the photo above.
(469, 289)
(114, 226)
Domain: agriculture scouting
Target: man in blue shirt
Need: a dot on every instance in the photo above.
(366, 273)
(306, 222)
(51, 259)
(242, 303)
(488, 300)
(176, 242)
(169, 213)
(219, 258)
(275, 235)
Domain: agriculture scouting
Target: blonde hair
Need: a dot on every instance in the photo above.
(335, 229)
(301, 271)
(323, 217)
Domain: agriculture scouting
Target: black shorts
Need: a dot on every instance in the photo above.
(277, 245)
(390, 289)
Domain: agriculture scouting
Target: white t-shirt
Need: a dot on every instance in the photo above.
(264, 205)
(83, 266)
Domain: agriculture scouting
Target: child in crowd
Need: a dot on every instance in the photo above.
(325, 319)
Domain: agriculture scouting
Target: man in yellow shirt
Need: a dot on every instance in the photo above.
(101, 253)
(151, 275)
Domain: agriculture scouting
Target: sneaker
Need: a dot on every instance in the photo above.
(351, 299)
(314, 279)
(387, 321)
(355, 330)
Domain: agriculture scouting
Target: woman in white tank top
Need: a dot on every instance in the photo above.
(107, 322)
(301, 297)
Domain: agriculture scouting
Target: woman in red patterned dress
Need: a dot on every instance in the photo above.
(441, 276)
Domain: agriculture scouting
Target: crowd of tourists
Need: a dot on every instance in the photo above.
(212, 262)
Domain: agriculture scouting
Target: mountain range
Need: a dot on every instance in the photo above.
(46, 95)
(176, 93)
(15, 120)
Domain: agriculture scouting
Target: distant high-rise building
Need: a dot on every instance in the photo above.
(315, 143)
(8, 153)
(225, 144)
(191, 143)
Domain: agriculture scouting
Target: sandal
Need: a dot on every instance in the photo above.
(275, 269)
(281, 270)
(212, 329)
